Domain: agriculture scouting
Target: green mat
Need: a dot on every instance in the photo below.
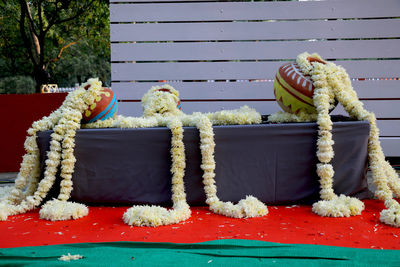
(212, 253)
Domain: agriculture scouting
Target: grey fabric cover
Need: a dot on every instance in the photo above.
(274, 162)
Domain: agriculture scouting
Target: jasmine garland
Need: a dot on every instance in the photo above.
(64, 122)
(332, 82)
(160, 109)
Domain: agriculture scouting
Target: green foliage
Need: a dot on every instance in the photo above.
(74, 46)
(80, 63)
(90, 57)
(13, 57)
(17, 85)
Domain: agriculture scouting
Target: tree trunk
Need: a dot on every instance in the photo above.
(41, 77)
(36, 44)
(34, 34)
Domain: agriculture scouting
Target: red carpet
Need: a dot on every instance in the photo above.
(295, 224)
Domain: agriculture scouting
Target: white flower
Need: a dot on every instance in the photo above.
(331, 82)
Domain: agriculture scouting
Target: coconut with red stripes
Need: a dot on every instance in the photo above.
(293, 90)
(104, 107)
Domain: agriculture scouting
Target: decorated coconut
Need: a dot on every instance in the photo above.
(161, 99)
(178, 105)
(104, 107)
(293, 90)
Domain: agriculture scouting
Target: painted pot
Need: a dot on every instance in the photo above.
(104, 107)
(293, 90)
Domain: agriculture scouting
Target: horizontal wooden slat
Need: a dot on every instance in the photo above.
(200, 90)
(283, 30)
(389, 128)
(237, 70)
(193, 71)
(377, 89)
(264, 107)
(390, 146)
(246, 90)
(253, 50)
(381, 108)
(156, 1)
(253, 10)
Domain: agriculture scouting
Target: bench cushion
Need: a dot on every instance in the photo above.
(273, 162)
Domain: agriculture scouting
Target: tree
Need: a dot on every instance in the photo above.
(90, 56)
(13, 57)
(37, 23)
(67, 39)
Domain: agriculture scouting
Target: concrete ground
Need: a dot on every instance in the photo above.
(7, 178)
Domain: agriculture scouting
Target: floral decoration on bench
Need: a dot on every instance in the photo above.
(331, 83)
(161, 107)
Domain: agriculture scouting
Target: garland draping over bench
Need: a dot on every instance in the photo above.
(160, 107)
(333, 83)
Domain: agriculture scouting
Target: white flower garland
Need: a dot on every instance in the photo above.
(155, 215)
(248, 207)
(64, 122)
(161, 100)
(282, 116)
(332, 82)
(70, 257)
(160, 109)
